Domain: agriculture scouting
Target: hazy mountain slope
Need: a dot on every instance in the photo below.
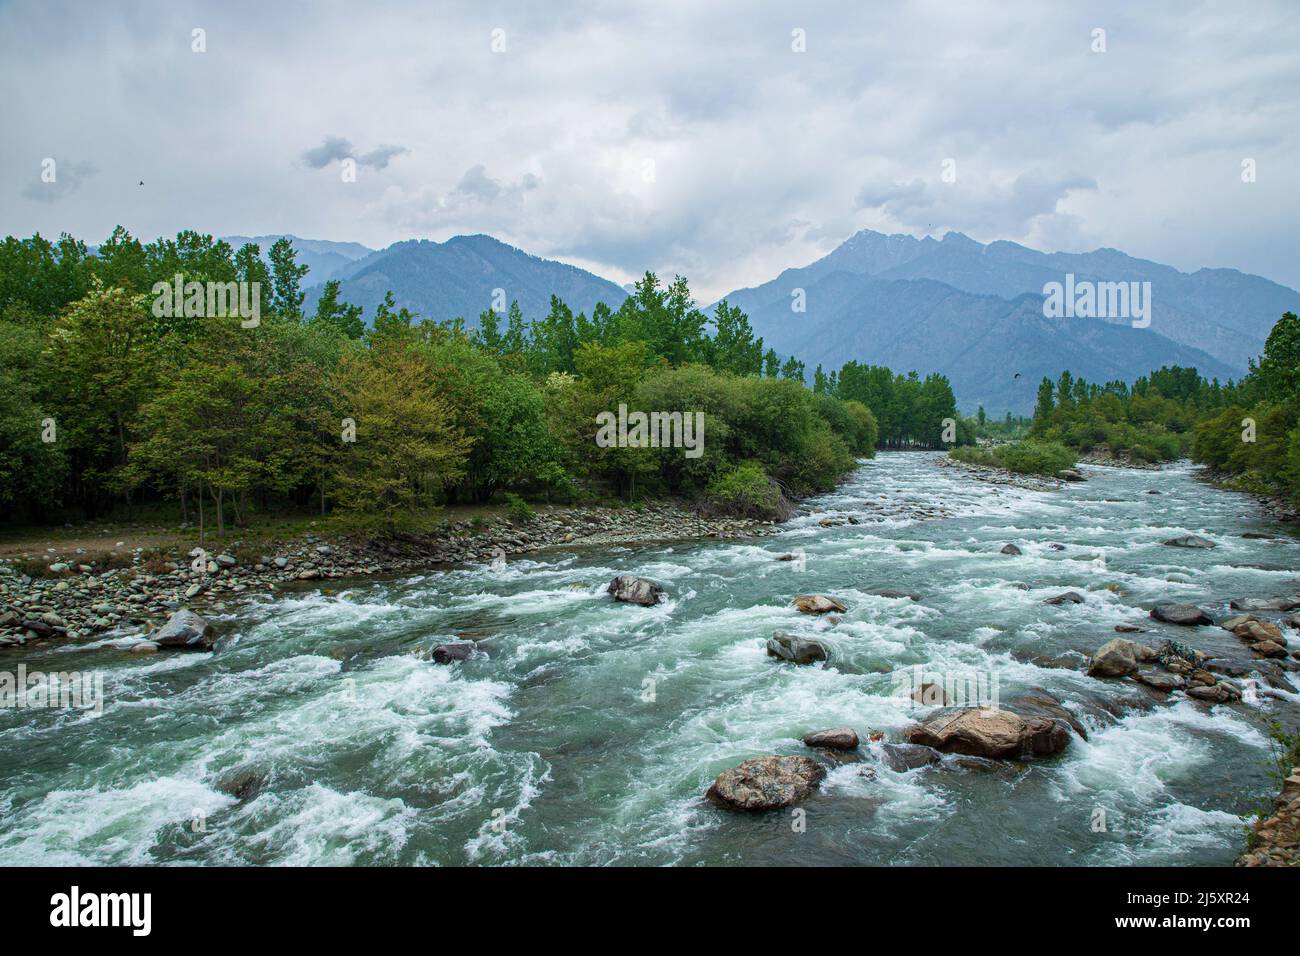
(321, 256)
(443, 280)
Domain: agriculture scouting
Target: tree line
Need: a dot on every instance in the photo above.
(107, 402)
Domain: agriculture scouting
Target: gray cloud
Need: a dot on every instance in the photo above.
(68, 177)
(673, 136)
(334, 149)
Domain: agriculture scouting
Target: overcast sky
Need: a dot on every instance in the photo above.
(684, 137)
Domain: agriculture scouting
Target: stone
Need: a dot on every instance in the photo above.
(1190, 541)
(1220, 693)
(1186, 615)
(901, 758)
(1158, 680)
(449, 653)
(766, 783)
(1252, 632)
(1115, 658)
(1011, 549)
(1268, 649)
(797, 650)
(144, 647)
(1069, 597)
(994, 733)
(841, 738)
(242, 783)
(634, 590)
(185, 630)
(1127, 629)
(1264, 604)
(1070, 474)
(818, 604)
(895, 595)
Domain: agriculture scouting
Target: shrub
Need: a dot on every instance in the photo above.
(518, 509)
(747, 491)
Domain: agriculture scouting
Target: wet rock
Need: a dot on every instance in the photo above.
(1127, 629)
(1190, 541)
(1264, 604)
(1039, 703)
(450, 653)
(785, 557)
(930, 695)
(1220, 693)
(1069, 597)
(1158, 680)
(1115, 658)
(1055, 547)
(797, 650)
(634, 590)
(242, 783)
(144, 647)
(1070, 474)
(1232, 623)
(841, 738)
(1254, 631)
(1257, 536)
(185, 630)
(1268, 649)
(766, 783)
(901, 758)
(994, 733)
(818, 604)
(1186, 615)
(1011, 549)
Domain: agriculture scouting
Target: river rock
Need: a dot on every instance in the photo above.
(1190, 541)
(144, 647)
(1127, 629)
(797, 650)
(1011, 549)
(766, 783)
(930, 695)
(1187, 615)
(1220, 693)
(634, 590)
(1158, 680)
(185, 630)
(1069, 597)
(1257, 536)
(242, 783)
(1115, 658)
(818, 604)
(1037, 702)
(993, 732)
(1070, 474)
(1264, 604)
(901, 758)
(841, 738)
(1253, 632)
(1268, 649)
(450, 653)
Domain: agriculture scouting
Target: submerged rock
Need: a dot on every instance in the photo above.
(634, 590)
(1190, 541)
(897, 595)
(994, 733)
(1264, 604)
(797, 650)
(766, 783)
(242, 783)
(185, 630)
(901, 758)
(1011, 549)
(841, 738)
(1187, 615)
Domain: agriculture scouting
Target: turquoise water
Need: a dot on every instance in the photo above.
(588, 731)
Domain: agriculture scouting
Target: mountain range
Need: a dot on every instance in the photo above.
(969, 310)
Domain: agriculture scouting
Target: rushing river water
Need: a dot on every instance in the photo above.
(588, 731)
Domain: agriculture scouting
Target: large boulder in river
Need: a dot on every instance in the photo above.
(841, 738)
(766, 783)
(185, 630)
(1188, 615)
(990, 732)
(818, 604)
(1116, 658)
(1255, 632)
(797, 650)
(1010, 549)
(634, 590)
(1190, 541)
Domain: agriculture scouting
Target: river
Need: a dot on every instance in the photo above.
(587, 731)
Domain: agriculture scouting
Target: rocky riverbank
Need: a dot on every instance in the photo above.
(1001, 476)
(1275, 840)
(70, 600)
(1276, 506)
